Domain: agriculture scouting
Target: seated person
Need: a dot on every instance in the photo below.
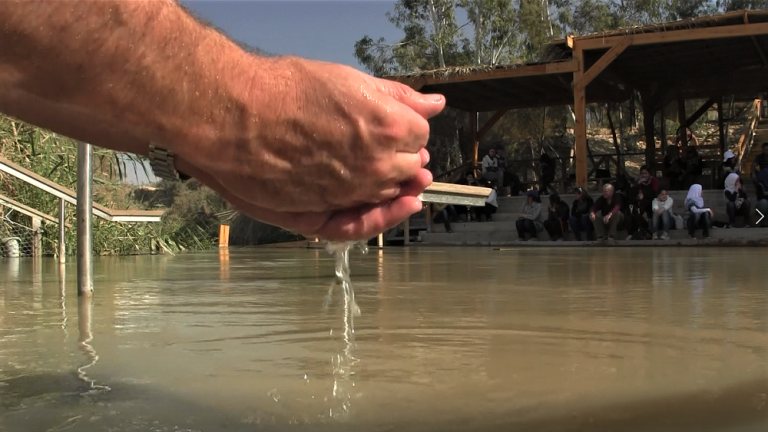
(662, 217)
(730, 164)
(762, 195)
(760, 163)
(467, 213)
(647, 180)
(606, 213)
(511, 180)
(690, 138)
(579, 220)
(696, 214)
(639, 212)
(672, 166)
(547, 165)
(531, 220)
(736, 200)
(557, 218)
(491, 205)
(692, 166)
(491, 171)
(445, 213)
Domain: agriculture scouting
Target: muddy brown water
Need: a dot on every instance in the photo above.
(449, 339)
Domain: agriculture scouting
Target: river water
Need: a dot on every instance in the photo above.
(450, 339)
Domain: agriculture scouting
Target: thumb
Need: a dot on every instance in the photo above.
(426, 105)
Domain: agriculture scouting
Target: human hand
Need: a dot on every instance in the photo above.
(607, 218)
(317, 137)
(592, 217)
(345, 225)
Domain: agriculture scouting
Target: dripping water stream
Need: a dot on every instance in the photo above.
(343, 363)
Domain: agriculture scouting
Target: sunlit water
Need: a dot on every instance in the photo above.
(451, 339)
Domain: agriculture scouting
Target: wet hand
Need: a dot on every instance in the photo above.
(321, 137)
(362, 222)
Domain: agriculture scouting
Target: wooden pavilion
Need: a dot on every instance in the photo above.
(702, 58)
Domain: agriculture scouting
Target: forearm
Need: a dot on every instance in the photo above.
(146, 71)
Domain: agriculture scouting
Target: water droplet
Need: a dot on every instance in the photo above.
(274, 395)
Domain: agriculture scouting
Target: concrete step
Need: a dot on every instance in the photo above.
(510, 207)
(717, 235)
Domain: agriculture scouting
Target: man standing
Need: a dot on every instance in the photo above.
(606, 213)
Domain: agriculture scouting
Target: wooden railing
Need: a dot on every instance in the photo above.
(64, 195)
(748, 136)
(68, 195)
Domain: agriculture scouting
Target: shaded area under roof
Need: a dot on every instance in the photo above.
(688, 59)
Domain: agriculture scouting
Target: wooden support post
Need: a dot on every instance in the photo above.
(62, 231)
(580, 128)
(682, 119)
(429, 217)
(473, 138)
(223, 236)
(224, 264)
(649, 112)
(380, 240)
(721, 127)
(663, 138)
(37, 244)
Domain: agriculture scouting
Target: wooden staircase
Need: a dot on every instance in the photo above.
(761, 136)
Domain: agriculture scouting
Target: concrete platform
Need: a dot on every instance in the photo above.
(718, 237)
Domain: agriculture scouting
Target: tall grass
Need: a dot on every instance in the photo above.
(190, 221)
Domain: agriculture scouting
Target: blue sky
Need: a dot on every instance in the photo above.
(321, 30)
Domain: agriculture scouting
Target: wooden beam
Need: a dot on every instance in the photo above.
(473, 137)
(720, 125)
(448, 193)
(681, 118)
(603, 62)
(417, 81)
(683, 35)
(649, 112)
(70, 196)
(28, 211)
(37, 238)
(580, 127)
(699, 112)
(489, 124)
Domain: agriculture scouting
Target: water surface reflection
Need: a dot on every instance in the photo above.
(448, 339)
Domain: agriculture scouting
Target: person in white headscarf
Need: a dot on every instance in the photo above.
(730, 164)
(736, 200)
(696, 215)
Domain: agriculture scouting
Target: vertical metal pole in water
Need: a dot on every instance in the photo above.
(84, 218)
(62, 228)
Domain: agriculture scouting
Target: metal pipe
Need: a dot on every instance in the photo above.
(84, 219)
(62, 228)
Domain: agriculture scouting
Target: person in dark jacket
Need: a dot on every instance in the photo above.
(639, 213)
(579, 220)
(736, 200)
(557, 219)
(606, 214)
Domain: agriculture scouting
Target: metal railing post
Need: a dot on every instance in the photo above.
(62, 231)
(84, 219)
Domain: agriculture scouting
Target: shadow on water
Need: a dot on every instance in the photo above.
(727, 408)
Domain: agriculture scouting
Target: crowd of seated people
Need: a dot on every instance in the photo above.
(640, 207)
